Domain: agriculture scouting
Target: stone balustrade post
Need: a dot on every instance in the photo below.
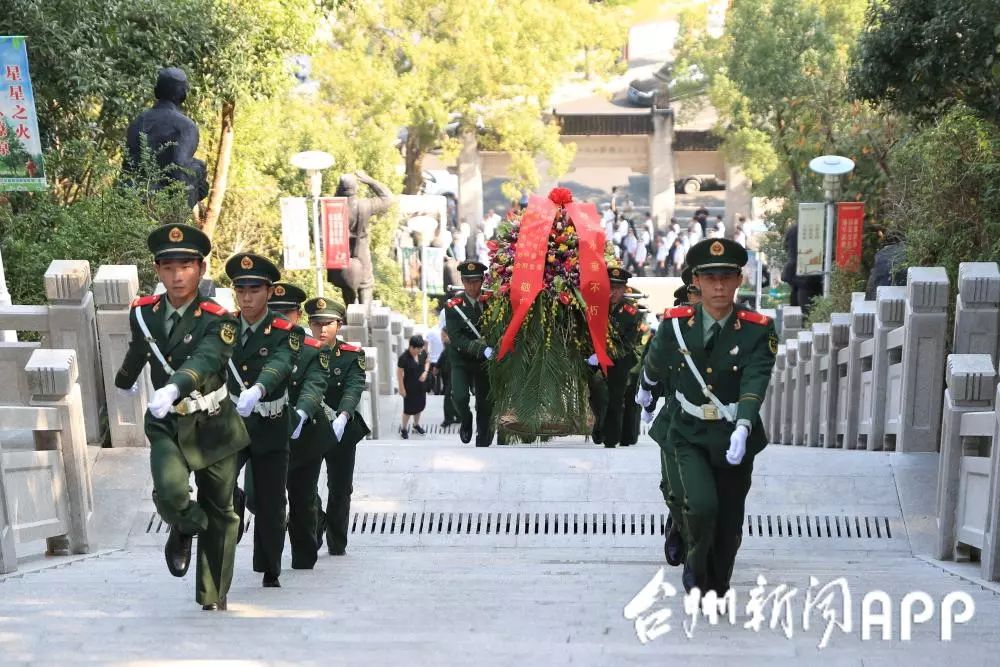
(790, 390)
(791, 323)
(830, 379)
(850, 366)
(814, 389)
(990, 554)
(890, 305)
(115, 286)
(977, 309)
(371, 375)
(926, 327)
(803, 378)
(971, 383)
(356, 324)
(382, 340)
(778, 397)
(73, 326)
(396, 337)
(8, 555)
(408, 326)
(53, 377)
(767, 406)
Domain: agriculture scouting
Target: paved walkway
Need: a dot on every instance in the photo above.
(514, 555)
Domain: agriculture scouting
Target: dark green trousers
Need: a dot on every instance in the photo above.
(303, 513)
(607, 401)
(211, 518)
(714, 504)
(467, 377)
(672, 489)
(631, 412)
(339, 487)
(266, 479)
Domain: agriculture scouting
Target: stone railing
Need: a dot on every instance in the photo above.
(46, 492)
(872, 378)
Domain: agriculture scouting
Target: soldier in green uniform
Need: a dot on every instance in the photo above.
(191, 424)
(468, 354)
(632, 413)
(259, 374)
(311, 436)
(715, 359)
(345, 384)
(607, 394)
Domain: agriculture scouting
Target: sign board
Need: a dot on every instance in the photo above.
(850, 227)
(810, 240)
(335, 216)
(425, 217)
(409, 260)
(432, 270)
(295, 233)
(21, 165)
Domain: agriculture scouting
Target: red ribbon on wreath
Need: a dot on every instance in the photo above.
(594, 283)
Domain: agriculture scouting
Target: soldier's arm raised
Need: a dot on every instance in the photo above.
(135, 356)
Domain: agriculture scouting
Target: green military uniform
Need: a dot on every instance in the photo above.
(202, 432)
(311, 436)
(631, 412)
(467, 356)
(608, 394)
(735, 357)
(345, 384)
(264, 357)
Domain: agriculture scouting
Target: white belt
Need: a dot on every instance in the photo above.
(198, 403)
(707, 412)
(267, 409)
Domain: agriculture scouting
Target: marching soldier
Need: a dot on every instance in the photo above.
(311, 436)
(191, 424)
(468, 353)
(259, 374)
(608, 394)
(345, 384)
(715, 359)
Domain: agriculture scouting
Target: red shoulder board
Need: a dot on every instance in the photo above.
(312, 342)
(679, 311)
(454, 302)
(281, 323)
(630, 309)
(214, 308)
(349, 348)
(145, 300)
(751, 316)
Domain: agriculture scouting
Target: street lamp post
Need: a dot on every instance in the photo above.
(831, 167)
(313, 163)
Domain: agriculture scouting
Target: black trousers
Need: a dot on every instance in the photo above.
(267, 476)
(303, 513)
(339, 486)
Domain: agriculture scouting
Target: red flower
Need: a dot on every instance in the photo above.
(561, 196)
(492, 244)
(564, 298)
(505, 288)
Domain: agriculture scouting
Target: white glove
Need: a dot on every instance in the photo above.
(647, 416)
(303, 418)
(643, 397)
(737, 445)
(339, 424)
(592, 359)
(163, 398)
(249, 399)
(488, 352)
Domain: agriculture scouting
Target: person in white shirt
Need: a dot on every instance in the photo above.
(434, 349)
(490, 223)
(482, 251)
(621, 231)
(693, 232)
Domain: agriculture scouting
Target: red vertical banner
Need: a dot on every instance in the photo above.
(594, 283)
(335, 217)
(850, 228)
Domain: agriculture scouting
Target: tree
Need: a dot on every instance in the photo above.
(923, 57)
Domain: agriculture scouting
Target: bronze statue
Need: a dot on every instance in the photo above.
(357, 281)
(171, 138)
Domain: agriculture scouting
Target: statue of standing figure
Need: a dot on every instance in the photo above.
(170, 137)
(358, 280)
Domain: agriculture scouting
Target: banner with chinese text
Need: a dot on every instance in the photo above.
(850, 227)
(335, 215)
(810, 240)
(21, 166)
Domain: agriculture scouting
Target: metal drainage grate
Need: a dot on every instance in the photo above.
(157, 526)
(435, 429)
(595, 523)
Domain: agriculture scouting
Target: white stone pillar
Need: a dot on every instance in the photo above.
(356, 326)
(926, 327)
(52, 376)
(73, 326)
(470, 181)
(801, 412)
(862, 327)
(661, 167)
(814, 389)
(977, 310)
(971, 381)
(790, 391)
(382, 339)
(990, 553)
(114, 289)
(371, 364)
(829, 402)
(778, 394)
(791, 323)
(890, 304)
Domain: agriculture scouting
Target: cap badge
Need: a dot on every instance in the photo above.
(616, 273)
(246, 263)
(717, 249)
(279, 291)
(175, 235)
(320, 304)
(471, 266)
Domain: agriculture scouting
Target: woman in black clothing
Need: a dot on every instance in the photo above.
(411, 378)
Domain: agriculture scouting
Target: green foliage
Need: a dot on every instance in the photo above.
(923, 57)
(842, 285)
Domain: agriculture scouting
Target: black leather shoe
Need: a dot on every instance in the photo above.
(240, 507)
(689, 579)
(338, 551)
(673, 545)
(447, 422)
(465, 432)
(178, 552)
(417, 428)
(404, 433)
(216, 606)
(597, 436)
(609, 445)
(320, 530)
(271, 581)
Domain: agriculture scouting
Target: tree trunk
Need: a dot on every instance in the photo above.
(223, 158)
(414, 179)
